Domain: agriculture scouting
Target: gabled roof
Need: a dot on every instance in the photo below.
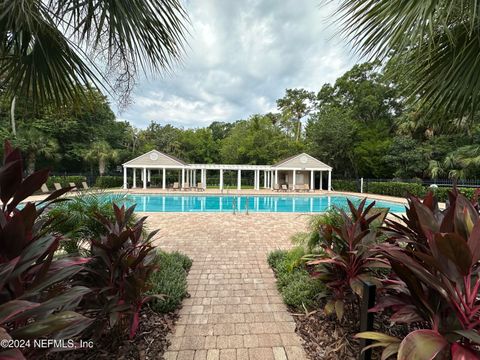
(155, 157)
(302, 161)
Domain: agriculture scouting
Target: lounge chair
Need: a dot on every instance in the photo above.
(175, 186)
(73, 185)
(284, 188)
(306, 187)
(276, 187)
(85, 185)
(45, 189)
(57, 186)
(200, 187)
(186, 186)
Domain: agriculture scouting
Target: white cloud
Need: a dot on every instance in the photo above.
(242, 55)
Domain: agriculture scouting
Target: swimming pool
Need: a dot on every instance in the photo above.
(254, 203)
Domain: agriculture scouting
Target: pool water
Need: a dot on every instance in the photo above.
(212, 203)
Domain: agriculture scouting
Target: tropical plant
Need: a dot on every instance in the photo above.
(347, 256)
(33, 143)
(312, 238)
(122, 262)
(77, 219)
(436, 39)
(435, 255)
(100, 152)
(36, 293)
(48, 48)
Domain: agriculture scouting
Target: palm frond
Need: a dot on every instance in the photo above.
(439, 38)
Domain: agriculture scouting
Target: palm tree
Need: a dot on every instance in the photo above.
(34, 142)
(50, 49)
(100, 152)
(437, 41)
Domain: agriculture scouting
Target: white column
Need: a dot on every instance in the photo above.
(312, 180)
(144, 178)
(149, 177)
(124, 177)
(321, 180)
(257, 178)
(264, 179)
(203, 177)
(164, 179)
(271, 180)
(276, 178)
(330, 180)
(221, 179)
(294, 178)
(239, 180)
(183, 178)
(188, 177)
(134, 185)
(195, 177)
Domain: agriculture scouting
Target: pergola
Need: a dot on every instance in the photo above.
(294, 171)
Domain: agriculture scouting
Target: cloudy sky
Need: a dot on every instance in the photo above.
(241, 57)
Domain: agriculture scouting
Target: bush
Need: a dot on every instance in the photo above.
(170, 280)
(77, 219)
(65, 181)
(106, 182)
(437, 282)
(37, 297)
(123, 261)
(345, 185)
(398, 189)
(297, 287)
(441, 193)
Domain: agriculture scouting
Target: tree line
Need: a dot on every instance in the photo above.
(362, 125)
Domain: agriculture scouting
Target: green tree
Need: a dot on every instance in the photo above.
(33, 143)
(294, 106)
(100, 152)
(437, 40)
(44, 44)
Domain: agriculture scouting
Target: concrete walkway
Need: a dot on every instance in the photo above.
(235, 311)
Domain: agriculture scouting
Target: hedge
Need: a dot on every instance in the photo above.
(65, 180)
(109, 181)
(442, 192)
(399, 189)
(345, 185)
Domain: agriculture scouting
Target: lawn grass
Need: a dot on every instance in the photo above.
(170, 280)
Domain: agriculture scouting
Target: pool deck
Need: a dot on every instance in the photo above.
(250, 192)
(234, 310)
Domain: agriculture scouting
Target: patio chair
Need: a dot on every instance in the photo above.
(200, 187)
(175, 186)
(284, 187)
(57, 186)
(276, 187)
(74, 186)
(85, 185)
(186, 186)
(45, 189)
(306, 187)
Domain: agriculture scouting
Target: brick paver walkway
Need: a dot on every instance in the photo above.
(235, 311)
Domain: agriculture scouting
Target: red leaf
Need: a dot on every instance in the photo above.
(421, 345)
(460, 352)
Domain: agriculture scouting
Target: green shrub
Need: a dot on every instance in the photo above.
(301, 290)
(399, 189)
(311, 238)
(441, 193)
(65, 181)
(76, 218)
(106, 182)
(295, 284)
(345, 185)
(170, 280)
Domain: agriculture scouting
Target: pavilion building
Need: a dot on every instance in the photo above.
(294, 171)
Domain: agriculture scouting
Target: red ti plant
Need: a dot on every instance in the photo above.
(36, 295)
(348, 255)
(435, 255)
(123, 261)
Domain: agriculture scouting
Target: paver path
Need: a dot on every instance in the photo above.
(235, 311)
